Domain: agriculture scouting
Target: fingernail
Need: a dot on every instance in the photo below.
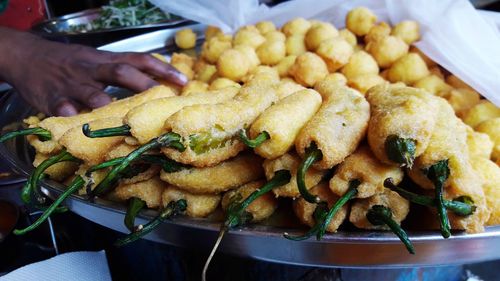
(98, 100)
(66, 109)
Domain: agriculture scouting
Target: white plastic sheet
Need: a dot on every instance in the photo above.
(454, 34)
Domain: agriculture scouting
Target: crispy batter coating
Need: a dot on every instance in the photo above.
(462, 100)
(402, 111)
(319, 33)
(209, 131)
(284, 65)
(290, 161)
(262, 208)
(490, 173)
(399, 206)
(194, 86)
(59, 125)
(91, 150)
(365, 82)
(362, 165)
(149, 191)
(287, 87)
(305, 210)
(360, 20)
(449, 141)
(408, 69)
(336, 52)
(295, 45)
(147, 120)
(387, 50)
(233, 64)
(296, 26)
(481, 112)
(377, 32)
(296, 109)
(265, 26)
(198, 205)
(348, 36)
(408, 30)
(227, 175)
(185, 38)
(271, 52)
(215, 46)
(360, 63)
(248, 35)
(433, 84)
(59, 171)
(338, 126)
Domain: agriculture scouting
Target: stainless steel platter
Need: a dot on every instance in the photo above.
(347, 248)
(59, 29)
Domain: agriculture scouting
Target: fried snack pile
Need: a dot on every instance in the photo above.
(351, 124)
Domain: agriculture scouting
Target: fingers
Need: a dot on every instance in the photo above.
(124, 75)
(153, 66)
(89, 96)
(63, 107)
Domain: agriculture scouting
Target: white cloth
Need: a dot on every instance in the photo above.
(78, 266)
(454, 34)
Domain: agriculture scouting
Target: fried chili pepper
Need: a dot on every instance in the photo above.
(401, 150)
(271, 137)
(237, 215)
(323, 215)
(172, 209)
(76, 184)
(165, 140)
(438, 174)
(462, 206)
(380, 215)
(30, 188)
(333, 133)
(42, 134)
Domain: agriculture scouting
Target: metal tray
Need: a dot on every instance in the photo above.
(347, 248)
(58, 29)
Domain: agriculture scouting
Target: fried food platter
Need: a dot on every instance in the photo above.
(262, 241)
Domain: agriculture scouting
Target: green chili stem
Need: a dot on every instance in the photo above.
(134, 207)
(30, 187)
(234, 215)
(313, 154)
(43, 134)
(313, 231)
(457, 207)
(438, 174)
(379, 215)
(257, 141)
(400, 150)
(72, 188)
(123, 130)
(168, 139)
(172, 209)
(348, 195)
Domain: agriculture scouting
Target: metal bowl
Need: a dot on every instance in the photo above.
(59, 29)
(346, 248)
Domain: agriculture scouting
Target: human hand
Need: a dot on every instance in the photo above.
(60, 79)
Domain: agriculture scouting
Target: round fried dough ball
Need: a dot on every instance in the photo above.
(430, 63)
(407, 30)
(233, 64)
(206, 72)
(184, 69)
(295, 45)
(491, 127)
(455, 82)
(387, 50)
(185, 38)
(348, 36)
(213, 48)
(275, 36)
(265, 26)
(284, 65)
(271, 52)
(194, 86)
(248, 36)
(461, 100)
(360, 20)
(336, 77)
(378, 32)
(212, 31)
(221, 83)
(251, 56)
(298, 26)
(479, 144)
(308, 69)
(318, 33)
(364, 82)
(481, 112)
(263, 207)
(360, 63)
(335, 52)
(433, 84)
(408, 69)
